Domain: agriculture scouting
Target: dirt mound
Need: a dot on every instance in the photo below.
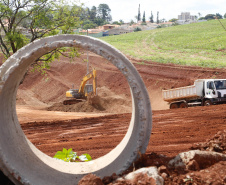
(83, 106)
(106, 101)
(210, 174)
(38, 90)
(217, 143)
(200, 170)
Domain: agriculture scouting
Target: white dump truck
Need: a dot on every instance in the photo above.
(204, 92)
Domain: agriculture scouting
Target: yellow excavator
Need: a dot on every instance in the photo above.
(84, 91)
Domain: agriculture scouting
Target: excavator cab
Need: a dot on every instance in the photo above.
(73, 93)
(88, 89)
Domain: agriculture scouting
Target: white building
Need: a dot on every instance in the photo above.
(185, 17)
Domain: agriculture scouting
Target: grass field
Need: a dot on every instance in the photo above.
(198, 44)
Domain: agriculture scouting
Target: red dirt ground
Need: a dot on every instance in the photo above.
(98, 130)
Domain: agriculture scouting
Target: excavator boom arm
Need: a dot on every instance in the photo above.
(86, 78)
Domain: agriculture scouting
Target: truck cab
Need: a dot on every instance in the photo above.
(210, 89)
(215, 90)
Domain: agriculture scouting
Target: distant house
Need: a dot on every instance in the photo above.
(91, 32)
(100, 32)
(109, 29)
(108, 26)
(119, 31)
(148, 26)
(105, 33)
(126, 28)
(167, 24)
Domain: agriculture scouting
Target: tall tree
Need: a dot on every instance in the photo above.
(219, 16)
(39, 18)
(138, 15)
(144, 18)
(131, 22)
(104, 12)
(157, 21)
(173, 20)
(121, 21)
(93, 13)
(88, 24)
(210, 16)
(100, 21)
(151, 18)
(163, 20)
(84, 14)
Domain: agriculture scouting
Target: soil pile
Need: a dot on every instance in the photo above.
(217, 143)
(106, 101)
(210, 173)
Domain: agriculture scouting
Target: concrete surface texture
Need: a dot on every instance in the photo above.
(23, 163)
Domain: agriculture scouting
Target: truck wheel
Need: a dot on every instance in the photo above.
(208, 103)
(183, 105)
(174, 106)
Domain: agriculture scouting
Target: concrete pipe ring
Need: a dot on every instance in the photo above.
(23, 163)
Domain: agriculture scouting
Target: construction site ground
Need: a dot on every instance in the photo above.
(97, 129)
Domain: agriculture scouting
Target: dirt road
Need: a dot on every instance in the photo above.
(174, 131)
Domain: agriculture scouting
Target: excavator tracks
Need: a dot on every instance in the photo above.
(71, 101)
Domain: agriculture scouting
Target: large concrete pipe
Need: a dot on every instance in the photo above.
(23, 163)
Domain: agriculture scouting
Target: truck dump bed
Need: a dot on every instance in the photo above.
(182, 93)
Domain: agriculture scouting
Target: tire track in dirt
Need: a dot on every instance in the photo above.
(174, 131)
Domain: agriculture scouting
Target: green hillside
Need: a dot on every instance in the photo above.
(200, 44)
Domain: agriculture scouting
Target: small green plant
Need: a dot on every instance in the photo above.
(70, 156)
(137, 29)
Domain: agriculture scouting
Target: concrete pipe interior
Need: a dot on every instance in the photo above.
(23, 163)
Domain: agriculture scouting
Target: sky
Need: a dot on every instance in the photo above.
(128, 9)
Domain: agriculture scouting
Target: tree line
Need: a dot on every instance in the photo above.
(151, 18)
(96, 16)
(23, 21)
(211, 16)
